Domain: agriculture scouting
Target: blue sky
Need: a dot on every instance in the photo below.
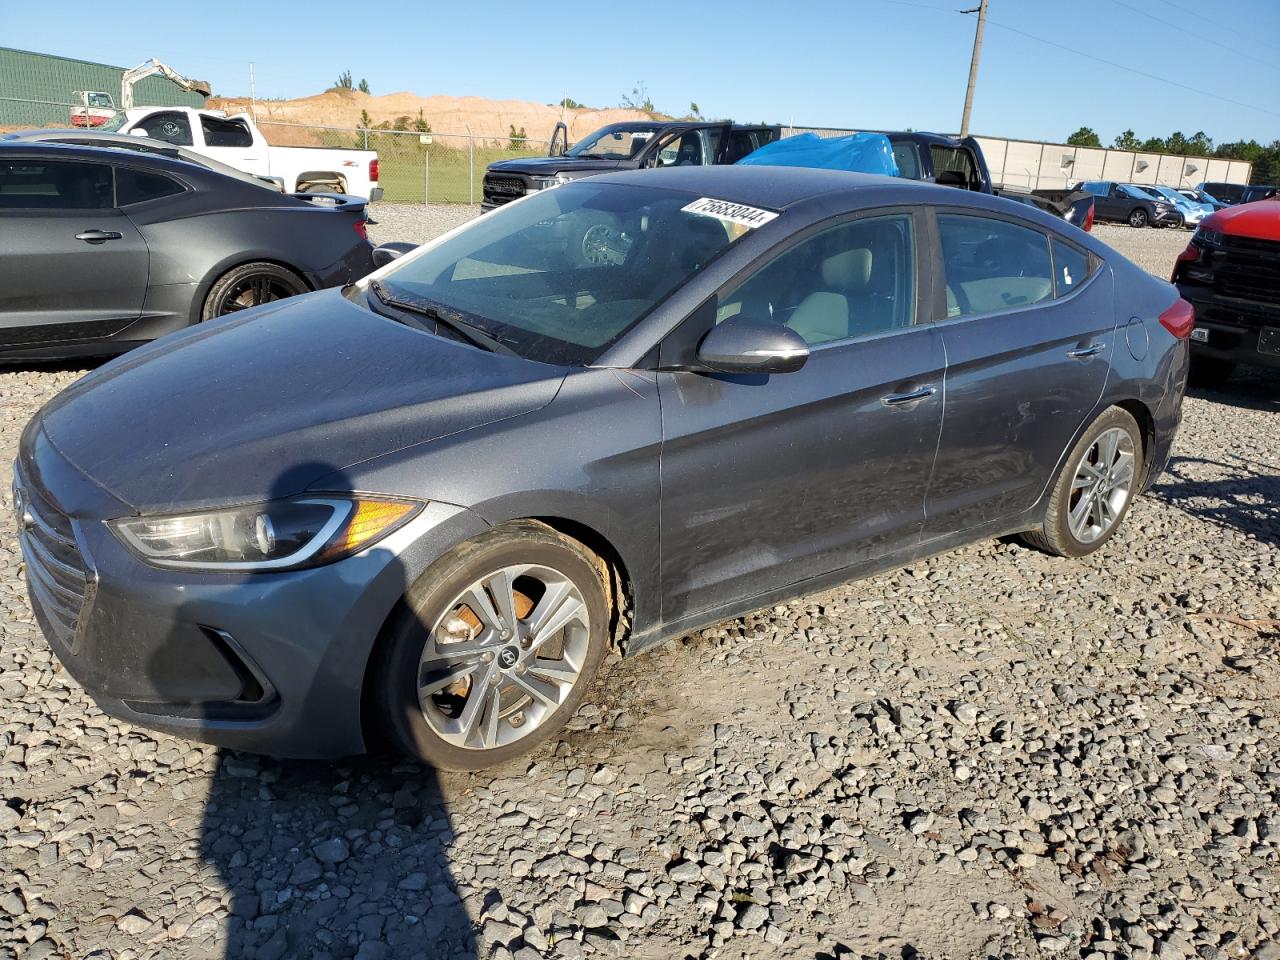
(858, 63)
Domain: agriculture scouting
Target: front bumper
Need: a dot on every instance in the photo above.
(268, 663)
(1236, 329)
(1171, 218)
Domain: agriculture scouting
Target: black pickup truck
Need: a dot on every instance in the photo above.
(623, 146)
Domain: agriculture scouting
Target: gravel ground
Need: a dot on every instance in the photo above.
(993, 753)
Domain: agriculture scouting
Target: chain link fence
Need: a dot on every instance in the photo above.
(429, 167)
(413, 166)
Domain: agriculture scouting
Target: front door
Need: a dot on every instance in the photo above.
(71, 265)
(1028, 333)
(768, 481)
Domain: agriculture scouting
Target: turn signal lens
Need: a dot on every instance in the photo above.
(1179, 319)
(1189, 255)
(369, 521)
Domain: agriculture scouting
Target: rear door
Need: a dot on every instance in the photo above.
(1028, 329)
(768, 481)
(72, 265)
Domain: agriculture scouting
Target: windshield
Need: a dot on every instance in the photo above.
(113, 124)
(614, 142)
(561, 276)
(1139, 193)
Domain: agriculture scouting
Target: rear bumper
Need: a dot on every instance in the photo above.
(1233, 327)
(375, 194)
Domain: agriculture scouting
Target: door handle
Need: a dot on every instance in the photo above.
(97, 236)
(897, 399)
(1085, 352)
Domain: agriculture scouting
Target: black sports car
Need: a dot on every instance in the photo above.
(103, 249)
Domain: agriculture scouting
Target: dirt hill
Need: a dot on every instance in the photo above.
(447, 115)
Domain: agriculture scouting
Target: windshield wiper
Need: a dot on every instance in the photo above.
(444, 317)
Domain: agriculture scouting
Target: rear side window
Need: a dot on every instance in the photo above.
(992, 265)
(908, 160)
(953, 166)
(169, 126)
(54, 185)
(137, 186)
(225, 133)
(1070, 267)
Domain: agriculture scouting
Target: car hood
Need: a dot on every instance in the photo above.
(549, 166)
(270, 402)
(1259, 220)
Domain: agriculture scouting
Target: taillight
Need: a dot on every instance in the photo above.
(361, 229)
(373, 170)
(1088, 220)
(1179, 319)
(1189, 255)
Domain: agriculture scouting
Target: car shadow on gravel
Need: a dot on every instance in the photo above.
(1241, 494)
(329, 860)
(1248, 388)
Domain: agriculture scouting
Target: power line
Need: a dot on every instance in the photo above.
(1141, 73)
(1204, 39)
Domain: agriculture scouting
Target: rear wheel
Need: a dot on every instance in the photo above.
(1209, 371)
(1093, 491)
(494, 648)
(250, 285)
(1137, 217)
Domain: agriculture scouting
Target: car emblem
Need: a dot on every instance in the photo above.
(508, 657)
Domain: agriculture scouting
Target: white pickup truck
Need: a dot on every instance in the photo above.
(238, 142)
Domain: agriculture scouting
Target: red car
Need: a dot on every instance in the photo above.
(1230, 272)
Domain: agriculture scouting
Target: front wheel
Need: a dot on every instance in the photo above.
(494, 648)
(250, 285)
(1137, 217)
(1094, 489)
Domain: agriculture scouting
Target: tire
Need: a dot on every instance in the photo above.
(250, 285)
(423, 691)
(1059, 534)
(1209, 371)
(1138, 217)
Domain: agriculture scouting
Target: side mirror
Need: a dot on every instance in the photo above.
(384, 253)
(746, 345)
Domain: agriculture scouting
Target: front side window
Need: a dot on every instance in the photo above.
(54, 185)
(169, 126)
(907, 157)
(563, 274)
(693, 148)
(992, 265)
(617, 142)
(853, 280)
(225, 133)
(952, 165)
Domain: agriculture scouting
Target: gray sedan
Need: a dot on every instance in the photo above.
(426, 506)
(104, 248)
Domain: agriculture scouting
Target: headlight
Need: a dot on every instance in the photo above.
(279, 534)
(546, 183)
(1212, 237)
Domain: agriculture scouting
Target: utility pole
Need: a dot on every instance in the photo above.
(981, 11)
(253, 94)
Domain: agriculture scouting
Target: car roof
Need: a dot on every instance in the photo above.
(774, 188)
(78, 151)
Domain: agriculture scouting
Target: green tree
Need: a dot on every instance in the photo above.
(344, 81)
(420, 123)
(364, 85)
(639, 99)
(694, 111)
(517, 138)
(569, 103)
(1126, 141)
(402, 122)
(1200, 144)
(1153, 145)
(1176, 143)
(1084, 137)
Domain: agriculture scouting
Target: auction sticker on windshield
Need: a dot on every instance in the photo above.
(732, 212)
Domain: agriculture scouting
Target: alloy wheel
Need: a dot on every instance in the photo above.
(253, 291)
(503, 657)
(1102, 485)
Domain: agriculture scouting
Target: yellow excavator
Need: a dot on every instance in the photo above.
(93, 108)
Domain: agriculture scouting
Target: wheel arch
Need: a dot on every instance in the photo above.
(320, 176)
(1146, 427)
(239, 259)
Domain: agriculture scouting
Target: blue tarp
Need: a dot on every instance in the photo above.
(860, 153)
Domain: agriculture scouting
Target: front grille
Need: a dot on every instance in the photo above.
(502, 189)
(57, 579)
(1247, 268)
